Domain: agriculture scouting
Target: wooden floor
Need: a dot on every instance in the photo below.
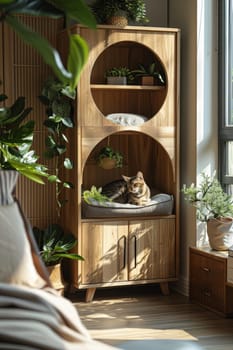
(119, 315)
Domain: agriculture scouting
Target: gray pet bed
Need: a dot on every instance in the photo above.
(160, 204)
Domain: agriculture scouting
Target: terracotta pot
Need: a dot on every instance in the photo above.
(107, 163)
(220, 233)
(148, 80)
(120, 21)
(55, 276)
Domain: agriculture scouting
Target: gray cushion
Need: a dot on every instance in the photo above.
(160, 204)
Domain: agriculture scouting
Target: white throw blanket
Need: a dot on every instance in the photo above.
(37, 319)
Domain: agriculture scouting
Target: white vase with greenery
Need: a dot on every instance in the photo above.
(215, 207)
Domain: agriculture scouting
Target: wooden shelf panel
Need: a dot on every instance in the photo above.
(140, 217)
(127, 87)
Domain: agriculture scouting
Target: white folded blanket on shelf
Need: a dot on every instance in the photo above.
(127, 119)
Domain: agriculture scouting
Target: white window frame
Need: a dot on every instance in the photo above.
(225, 93)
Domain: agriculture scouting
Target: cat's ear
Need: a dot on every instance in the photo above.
(126, 178)
(140, 175)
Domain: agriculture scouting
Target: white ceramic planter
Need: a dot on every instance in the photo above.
(220, 233)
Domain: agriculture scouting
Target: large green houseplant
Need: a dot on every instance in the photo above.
(15, 137)
(132, 10)
(213, 206)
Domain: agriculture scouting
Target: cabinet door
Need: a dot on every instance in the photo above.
(104, 250)
(152, 249)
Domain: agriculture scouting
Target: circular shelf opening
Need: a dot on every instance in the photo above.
(139, 152)
(143, 92)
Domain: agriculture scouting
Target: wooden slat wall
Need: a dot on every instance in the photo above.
(25, 73)
(1, 57)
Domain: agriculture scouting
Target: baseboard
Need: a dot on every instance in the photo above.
(181, 286)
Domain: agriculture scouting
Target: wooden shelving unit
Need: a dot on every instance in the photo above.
(131, 250)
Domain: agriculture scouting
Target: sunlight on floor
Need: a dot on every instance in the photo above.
(99, 315)
(141, 333)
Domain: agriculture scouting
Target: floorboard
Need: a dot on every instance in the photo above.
(120, 315)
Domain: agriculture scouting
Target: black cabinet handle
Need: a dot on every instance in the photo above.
(135, 251)
(122, 248)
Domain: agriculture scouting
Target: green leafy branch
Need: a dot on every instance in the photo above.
(59, 109)
(94, 194)
(209, 198)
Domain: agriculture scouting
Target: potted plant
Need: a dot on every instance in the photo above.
(59, 109)
(119, 12)
(94, 195)
(54, 246)
(150, 74)
(214, 207)
(108, 158)
(118, 75)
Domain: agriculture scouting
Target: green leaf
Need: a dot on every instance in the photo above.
(68, 164)
(18, 106)
(56, 118)
(6, 1)
(3, 97)
(68, 184)
(50, 142)
(78, 54)
(31, 176)
(72, 256)
(77, 10)
(43, 99)
(31, 173)
(34, 7)
(50, 124)
(61, 149)
(65, 138)
(67, 91)
(67, 122)
(15, 119)
(4, 114)
(49, 54)
(23, 133)
(53, 178)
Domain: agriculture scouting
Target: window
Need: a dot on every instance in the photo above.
(226, 94)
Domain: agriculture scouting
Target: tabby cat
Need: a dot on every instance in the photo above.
(133, 190)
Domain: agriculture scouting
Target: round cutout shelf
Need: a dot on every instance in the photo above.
(135, 102)
(140, 152)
